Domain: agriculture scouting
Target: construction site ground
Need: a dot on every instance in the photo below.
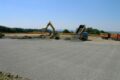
(38, 59)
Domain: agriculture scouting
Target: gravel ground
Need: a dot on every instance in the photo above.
(61, 60)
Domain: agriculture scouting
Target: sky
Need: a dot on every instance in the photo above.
(64, 14)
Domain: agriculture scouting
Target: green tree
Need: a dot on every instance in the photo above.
(102, 31)
(93, 31)
(66, 31)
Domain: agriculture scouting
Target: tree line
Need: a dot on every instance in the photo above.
(90, 30)
(5, 29)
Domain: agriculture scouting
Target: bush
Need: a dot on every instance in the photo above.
(91, 30)
(66, 31)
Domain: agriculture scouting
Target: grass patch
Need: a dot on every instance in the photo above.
(9, 76)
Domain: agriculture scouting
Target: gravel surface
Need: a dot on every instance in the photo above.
(60, 60)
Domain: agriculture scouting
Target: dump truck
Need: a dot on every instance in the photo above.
(81, 33)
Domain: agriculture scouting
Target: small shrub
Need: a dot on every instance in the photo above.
(66, 31)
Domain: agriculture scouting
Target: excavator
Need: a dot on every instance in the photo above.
(2, 35)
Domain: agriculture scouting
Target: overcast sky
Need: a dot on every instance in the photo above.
(101, 14)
